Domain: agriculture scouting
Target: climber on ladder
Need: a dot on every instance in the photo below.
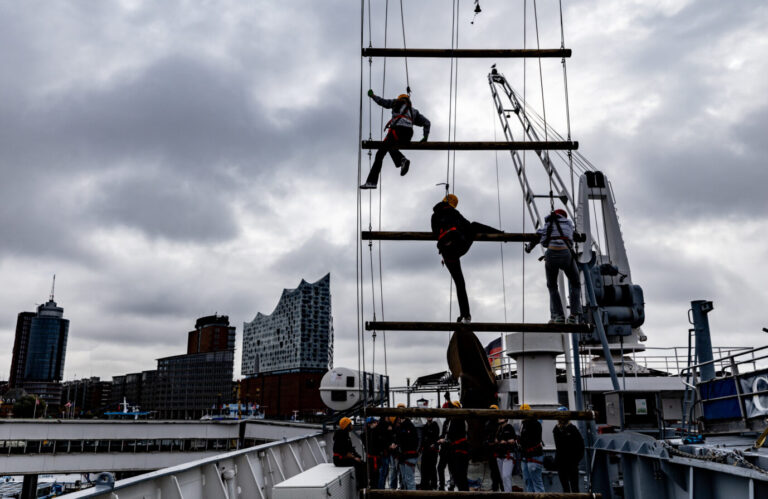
(404, 116)
(557, 237)
(455, 234)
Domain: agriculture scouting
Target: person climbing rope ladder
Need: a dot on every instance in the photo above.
(404, 116)
(455, 234)
(557, 237)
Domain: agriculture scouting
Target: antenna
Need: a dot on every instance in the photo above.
(53, 286)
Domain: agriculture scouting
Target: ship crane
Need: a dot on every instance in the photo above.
(615, 304)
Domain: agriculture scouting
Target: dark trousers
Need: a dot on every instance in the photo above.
(428, 470)
(359, 470)
(569, 477)
(374, 465)
(454, 267)
(495, 475)
(442, 463)
(458, 464)
(396, 135)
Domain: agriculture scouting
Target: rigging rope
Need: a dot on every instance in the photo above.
(521, 367)
(359, 222)
(402, 22)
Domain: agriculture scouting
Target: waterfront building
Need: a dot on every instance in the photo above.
(87, 397)
(192, 384)
(296, 337)
(211, 334)
(20, 346)
(39, 351)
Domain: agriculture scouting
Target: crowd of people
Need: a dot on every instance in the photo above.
(394, 449)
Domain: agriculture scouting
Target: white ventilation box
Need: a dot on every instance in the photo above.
(320, 482)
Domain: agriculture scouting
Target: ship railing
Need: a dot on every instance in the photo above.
(670, 361)
(732, 367)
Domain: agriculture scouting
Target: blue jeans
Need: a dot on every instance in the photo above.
(383, 472)
(407, 470)
(532, 477)
(394, 471)
(554, 262)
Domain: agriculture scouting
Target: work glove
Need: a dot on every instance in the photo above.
(529, 247)
(370, 93)
(424, 138)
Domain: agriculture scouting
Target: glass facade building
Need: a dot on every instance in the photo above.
(47, 345)
(296, 337)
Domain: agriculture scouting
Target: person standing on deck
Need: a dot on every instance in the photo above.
(557, 237)
(532, 449)
(456, 438)
(506, 439)
(407, 439)
(430, 434)
(455, 235)
(491, 429)
(444, 449)
(569, 450)
(404, 116)
(344, 453)
(374, 450)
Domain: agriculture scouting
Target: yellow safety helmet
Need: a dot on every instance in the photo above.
(456, 404)
(525, 407)
(494, 406)
(401, 405)
(451, 199)
(344, 423)
(403, 96)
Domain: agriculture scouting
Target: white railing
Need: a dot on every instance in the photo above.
(249, 473)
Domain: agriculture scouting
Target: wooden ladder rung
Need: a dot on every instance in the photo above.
(495, 327)
(479, 146)
(387, 494)
(465, 53)
(430, 236)
(426, 412)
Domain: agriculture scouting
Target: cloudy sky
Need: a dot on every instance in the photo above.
(169, 160)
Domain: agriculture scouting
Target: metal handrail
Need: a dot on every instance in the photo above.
(721, 360)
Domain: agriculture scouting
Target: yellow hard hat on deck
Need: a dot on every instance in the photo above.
(456, 404)
(494, 406)
(344, 423)
(525, 407)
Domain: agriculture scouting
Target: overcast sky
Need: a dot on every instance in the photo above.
(169, 160)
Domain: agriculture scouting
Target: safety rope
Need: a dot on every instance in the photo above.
(359, 221)
(567, 107)
(405, 47)
(521, 367)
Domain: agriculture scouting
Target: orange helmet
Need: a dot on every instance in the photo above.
(344, 423)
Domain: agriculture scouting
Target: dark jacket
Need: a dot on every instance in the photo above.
(505, 432)
(457, 435)
(490, 429)
(407, 439)
(455, 233)
(569, 444)
(342, 445)
(374, 439)
(429, 436)
(530, 438)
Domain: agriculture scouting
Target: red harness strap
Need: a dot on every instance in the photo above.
(375, 460)
(444, 232)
